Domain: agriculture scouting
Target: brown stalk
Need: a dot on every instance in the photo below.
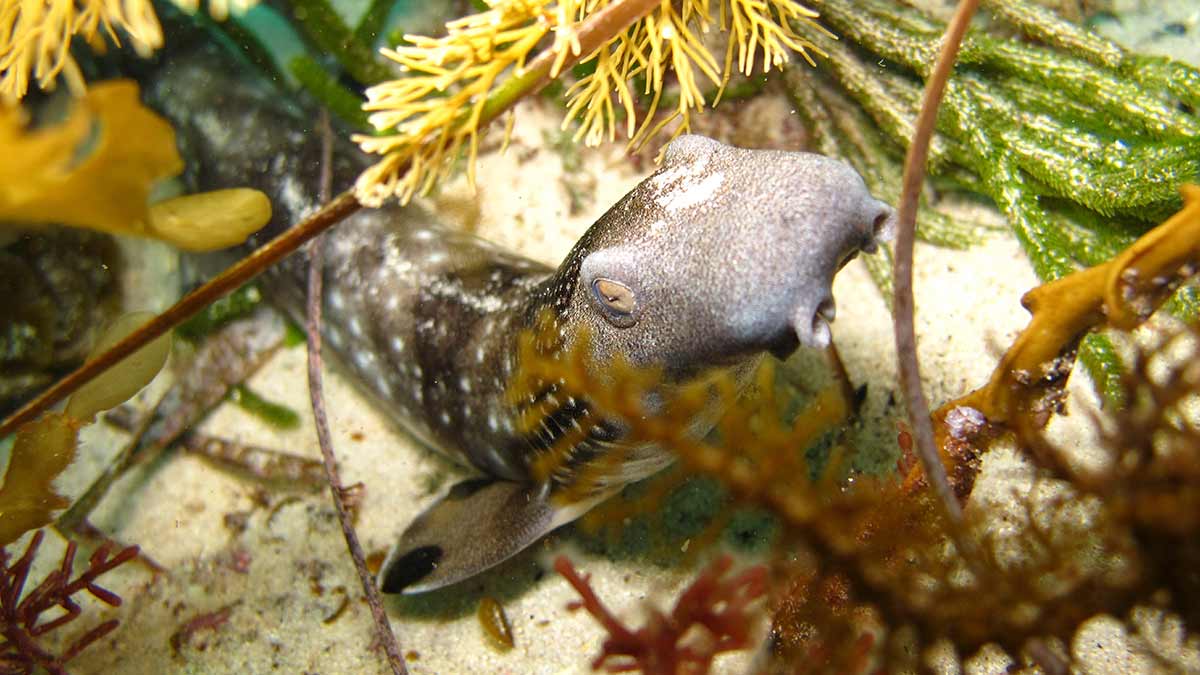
(906, 340)
(383, 627)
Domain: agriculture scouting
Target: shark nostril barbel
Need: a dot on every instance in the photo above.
(827, 309)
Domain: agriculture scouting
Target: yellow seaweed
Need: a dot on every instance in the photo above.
(453, 83)
(45, 447)
(1026, 386)
(209, 220)
(128, 148)
(1124, 291)
(125, 379)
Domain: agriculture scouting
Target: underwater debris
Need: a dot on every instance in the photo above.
(495, 624)
(205, 621)
(21, 611)
(721, 605)
(262, 463)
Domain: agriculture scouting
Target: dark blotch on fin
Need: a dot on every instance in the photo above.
(410, 568)
(476, 525)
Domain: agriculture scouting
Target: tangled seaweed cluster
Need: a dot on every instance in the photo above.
(868, 576)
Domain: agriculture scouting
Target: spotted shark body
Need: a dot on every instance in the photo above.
(719, 257)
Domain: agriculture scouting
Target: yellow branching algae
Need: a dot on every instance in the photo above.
(35, 36)
(454, 82)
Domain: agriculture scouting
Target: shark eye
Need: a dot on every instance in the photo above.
(618, 301)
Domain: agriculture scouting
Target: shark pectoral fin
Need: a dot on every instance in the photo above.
(478, 524)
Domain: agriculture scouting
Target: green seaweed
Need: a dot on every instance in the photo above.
(223, 310)
(294, 335)
(321, 24)
(1080, 145)
(329, 92)
(274, 414)
(372, 22)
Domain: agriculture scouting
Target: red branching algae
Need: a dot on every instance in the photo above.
(21, 614)
(205, 621)
(718, 605)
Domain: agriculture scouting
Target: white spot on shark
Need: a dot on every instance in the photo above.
(381, 385)
(691, 194)
(364, 359)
